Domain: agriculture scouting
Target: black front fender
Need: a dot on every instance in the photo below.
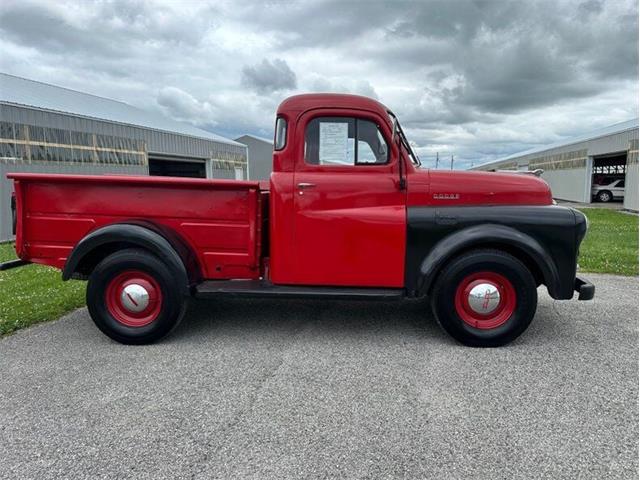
(486, 234)
(126, 235)
(545, 237)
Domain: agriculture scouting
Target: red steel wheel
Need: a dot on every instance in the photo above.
(134, 298)
(485, 300)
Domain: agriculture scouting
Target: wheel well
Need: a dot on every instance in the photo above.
(518, 253)
(89, 262)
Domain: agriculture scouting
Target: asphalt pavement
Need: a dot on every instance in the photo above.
(293, 389)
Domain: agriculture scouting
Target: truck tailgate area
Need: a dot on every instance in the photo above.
(219, 219)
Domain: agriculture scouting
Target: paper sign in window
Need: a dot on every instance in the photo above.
(334, 143)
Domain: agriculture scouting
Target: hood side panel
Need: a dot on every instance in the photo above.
(460, 188)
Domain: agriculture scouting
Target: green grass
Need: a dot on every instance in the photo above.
(611, 245)
(33, 294)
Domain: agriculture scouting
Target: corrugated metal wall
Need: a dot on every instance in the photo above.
(260, 157)
(567, 173)
(15, 165)
(157, 141)
(631, 178)
(571, 184)
(223, 159)
(568, 168)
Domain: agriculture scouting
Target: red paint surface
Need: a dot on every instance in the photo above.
(118, 310)
(349, 230)
(217, 219)
(499, 315)
(432, 187)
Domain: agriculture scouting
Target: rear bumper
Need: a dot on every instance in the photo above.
(586, 290)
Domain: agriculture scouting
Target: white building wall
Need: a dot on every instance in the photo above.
(631, 178)
(618, 138)
(631, 187)
(569, 185)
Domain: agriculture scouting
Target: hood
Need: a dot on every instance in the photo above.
(482, 188)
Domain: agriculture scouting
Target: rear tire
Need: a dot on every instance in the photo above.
(485, 298)
(132, 297)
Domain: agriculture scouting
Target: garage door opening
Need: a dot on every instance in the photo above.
(608, 177)
(176, 168)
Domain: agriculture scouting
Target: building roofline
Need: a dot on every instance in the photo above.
(25, 79)
(632, 124)
(262, 139)
(116, 122)
(219, 139)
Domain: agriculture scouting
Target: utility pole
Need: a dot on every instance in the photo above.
(451, 162)
(437, 159)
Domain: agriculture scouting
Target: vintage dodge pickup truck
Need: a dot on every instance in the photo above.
(347, 213)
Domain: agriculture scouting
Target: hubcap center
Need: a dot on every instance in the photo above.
(134, 298)
(484, 298)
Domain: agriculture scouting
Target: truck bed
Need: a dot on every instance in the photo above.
(221, 220)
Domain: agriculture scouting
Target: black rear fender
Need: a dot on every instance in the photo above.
(163, 243)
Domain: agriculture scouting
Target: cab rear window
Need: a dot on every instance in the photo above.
(281, 134)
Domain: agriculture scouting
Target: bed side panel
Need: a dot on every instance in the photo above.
(219, 224)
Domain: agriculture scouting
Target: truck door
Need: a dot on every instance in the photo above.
(349, 212)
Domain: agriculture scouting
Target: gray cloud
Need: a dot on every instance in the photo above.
(269, 76)
(477, 78)
(109, 28)
(182, 106)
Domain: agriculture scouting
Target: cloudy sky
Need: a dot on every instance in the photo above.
(476, 79)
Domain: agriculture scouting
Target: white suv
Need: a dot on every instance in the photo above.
(613, 190)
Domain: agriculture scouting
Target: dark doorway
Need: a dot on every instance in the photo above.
(176, 168)
(613, 164)
(608, 175)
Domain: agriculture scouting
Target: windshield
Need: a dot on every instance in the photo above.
(397, 130)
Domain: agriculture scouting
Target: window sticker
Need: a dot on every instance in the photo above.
(334, 143)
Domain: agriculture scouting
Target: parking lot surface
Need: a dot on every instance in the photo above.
(293, 389)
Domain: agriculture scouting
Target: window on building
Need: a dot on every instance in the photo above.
(7, 150)
(6, 131)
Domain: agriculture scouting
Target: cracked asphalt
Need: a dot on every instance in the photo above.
(291, 389)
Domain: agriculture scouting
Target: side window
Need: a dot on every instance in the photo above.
(281, 134)
(372, 148)
(620, 183)
(344, 141)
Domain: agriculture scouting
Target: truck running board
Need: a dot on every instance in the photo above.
(13, 264)
(260, 288)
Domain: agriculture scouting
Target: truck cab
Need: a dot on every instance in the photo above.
(348, 213)
(338, 194)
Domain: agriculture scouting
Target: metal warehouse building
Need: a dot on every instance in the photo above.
(573, 166)
(44, 128)
(260, 153)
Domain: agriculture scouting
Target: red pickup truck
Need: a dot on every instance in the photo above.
(347, 213)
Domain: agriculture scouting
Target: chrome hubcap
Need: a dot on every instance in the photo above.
(134, 298)
(484, 298)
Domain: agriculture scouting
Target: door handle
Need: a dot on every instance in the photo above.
(303, 185)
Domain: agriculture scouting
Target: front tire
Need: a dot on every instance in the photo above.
(132, 297)
(485, 298)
